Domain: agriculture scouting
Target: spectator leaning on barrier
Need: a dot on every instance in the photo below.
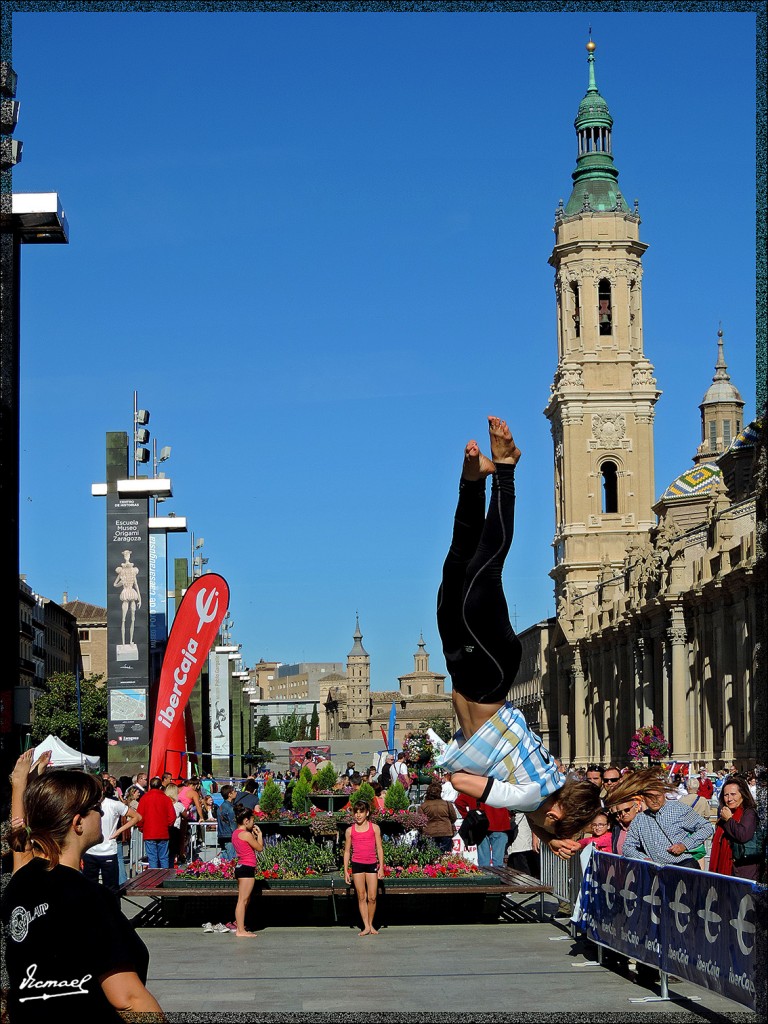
(665, 832)
(738, 847)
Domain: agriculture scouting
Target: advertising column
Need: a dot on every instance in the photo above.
(128, 632)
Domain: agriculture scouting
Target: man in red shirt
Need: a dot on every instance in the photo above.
(158, 814)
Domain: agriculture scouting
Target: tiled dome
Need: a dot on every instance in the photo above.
(698, 480)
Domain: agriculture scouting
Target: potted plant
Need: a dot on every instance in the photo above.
(363, 792)
(301, 799)
(325, 793)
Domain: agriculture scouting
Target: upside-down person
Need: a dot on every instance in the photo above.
(494, 756)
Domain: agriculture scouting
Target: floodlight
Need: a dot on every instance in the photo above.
(142, 416)
(10, 152)
(142, 454)
(165, 453)
(142, 435)
(9, 115)
(8, 79)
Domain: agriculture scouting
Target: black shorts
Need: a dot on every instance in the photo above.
(364, 869)
(245, 871)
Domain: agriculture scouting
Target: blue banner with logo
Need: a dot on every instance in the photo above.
(710, 932)
(687, 923)
(624, 906)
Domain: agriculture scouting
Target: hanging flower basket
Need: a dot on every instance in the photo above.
(649, 742)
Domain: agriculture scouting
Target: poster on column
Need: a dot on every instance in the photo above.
(128, 618)
(158, 602)
(218, 692)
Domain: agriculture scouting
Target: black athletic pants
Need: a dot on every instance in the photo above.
(482, 651)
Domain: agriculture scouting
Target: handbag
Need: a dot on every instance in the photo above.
(514, 828)
(474, 828)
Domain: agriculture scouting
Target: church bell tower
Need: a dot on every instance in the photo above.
(602, 399)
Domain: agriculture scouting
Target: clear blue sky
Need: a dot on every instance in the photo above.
(316, 245)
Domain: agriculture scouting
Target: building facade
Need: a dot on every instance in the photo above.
(91, 622)
(656, 600)
(363, 713)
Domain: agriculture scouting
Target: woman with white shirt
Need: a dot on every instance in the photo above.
(101, 860)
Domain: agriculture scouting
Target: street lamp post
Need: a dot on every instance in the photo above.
(25, 218)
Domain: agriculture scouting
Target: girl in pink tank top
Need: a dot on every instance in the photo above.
(364, 862)
(247, 841)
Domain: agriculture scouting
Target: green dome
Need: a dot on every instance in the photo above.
(593, 110)
(596, 178)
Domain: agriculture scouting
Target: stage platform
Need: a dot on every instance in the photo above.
(326, 899)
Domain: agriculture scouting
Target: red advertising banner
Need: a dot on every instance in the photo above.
(194, 629)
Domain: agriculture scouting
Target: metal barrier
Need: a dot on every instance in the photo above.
(563, 875)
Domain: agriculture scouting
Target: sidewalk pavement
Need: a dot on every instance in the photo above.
(516, 966)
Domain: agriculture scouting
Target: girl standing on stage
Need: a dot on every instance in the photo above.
(364, 862)
(247, 841)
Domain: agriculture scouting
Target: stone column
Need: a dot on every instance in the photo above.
(724, 669)
(645, 702)
(677, 637)
(580, 755)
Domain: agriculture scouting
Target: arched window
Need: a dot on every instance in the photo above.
(610, 488)
(576, 308)
(604, 314)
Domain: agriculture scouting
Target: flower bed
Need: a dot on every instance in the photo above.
(449, 870)
(296, 863)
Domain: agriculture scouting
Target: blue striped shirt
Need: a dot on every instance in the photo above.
(649, 834)
(505, 749)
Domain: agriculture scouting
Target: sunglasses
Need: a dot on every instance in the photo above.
(94, 807)
(611, 778)
(621, 811)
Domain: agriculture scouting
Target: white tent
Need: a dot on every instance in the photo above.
(63, 756)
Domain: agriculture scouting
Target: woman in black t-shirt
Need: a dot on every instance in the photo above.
(65, 935)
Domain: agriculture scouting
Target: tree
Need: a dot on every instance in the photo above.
(287, 729)
(396, 799)
(314, 723)
(439, 725)
(56, 712)
(271, 800)
(262, 730)
(257, 756)
(301, 798)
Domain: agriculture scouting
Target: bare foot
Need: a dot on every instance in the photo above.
(373, 931)
(364, 932)
(476, 465)
(503, 447)
(245, 935)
